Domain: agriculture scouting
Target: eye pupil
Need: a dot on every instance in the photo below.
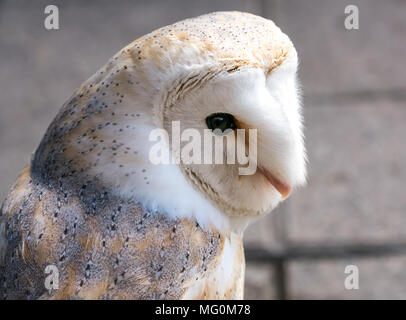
(222, 121)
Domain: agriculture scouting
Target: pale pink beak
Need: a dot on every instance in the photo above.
(281, 187)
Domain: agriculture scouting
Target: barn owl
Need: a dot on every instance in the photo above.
(117, 226)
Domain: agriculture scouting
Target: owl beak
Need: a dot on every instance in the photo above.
(281, 187)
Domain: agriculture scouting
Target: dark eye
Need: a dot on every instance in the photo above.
(222, 121)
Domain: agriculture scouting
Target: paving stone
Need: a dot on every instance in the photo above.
(381, 278)
(356, 183)
(335, 59)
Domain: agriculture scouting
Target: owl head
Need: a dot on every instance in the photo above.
(225, 76)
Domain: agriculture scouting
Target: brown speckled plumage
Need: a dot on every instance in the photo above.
(104, 249)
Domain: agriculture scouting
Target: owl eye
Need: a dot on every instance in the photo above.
(221, 121)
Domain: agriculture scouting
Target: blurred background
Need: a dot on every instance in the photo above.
(353, 210)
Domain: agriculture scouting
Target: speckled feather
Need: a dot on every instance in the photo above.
(105, 249)
(63, 211)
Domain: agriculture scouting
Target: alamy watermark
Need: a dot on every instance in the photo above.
(199, 150)
(52, 278)
(351, 21)
(51, 21)
(351, 282)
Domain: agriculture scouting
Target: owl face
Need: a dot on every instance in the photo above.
(266, 109)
